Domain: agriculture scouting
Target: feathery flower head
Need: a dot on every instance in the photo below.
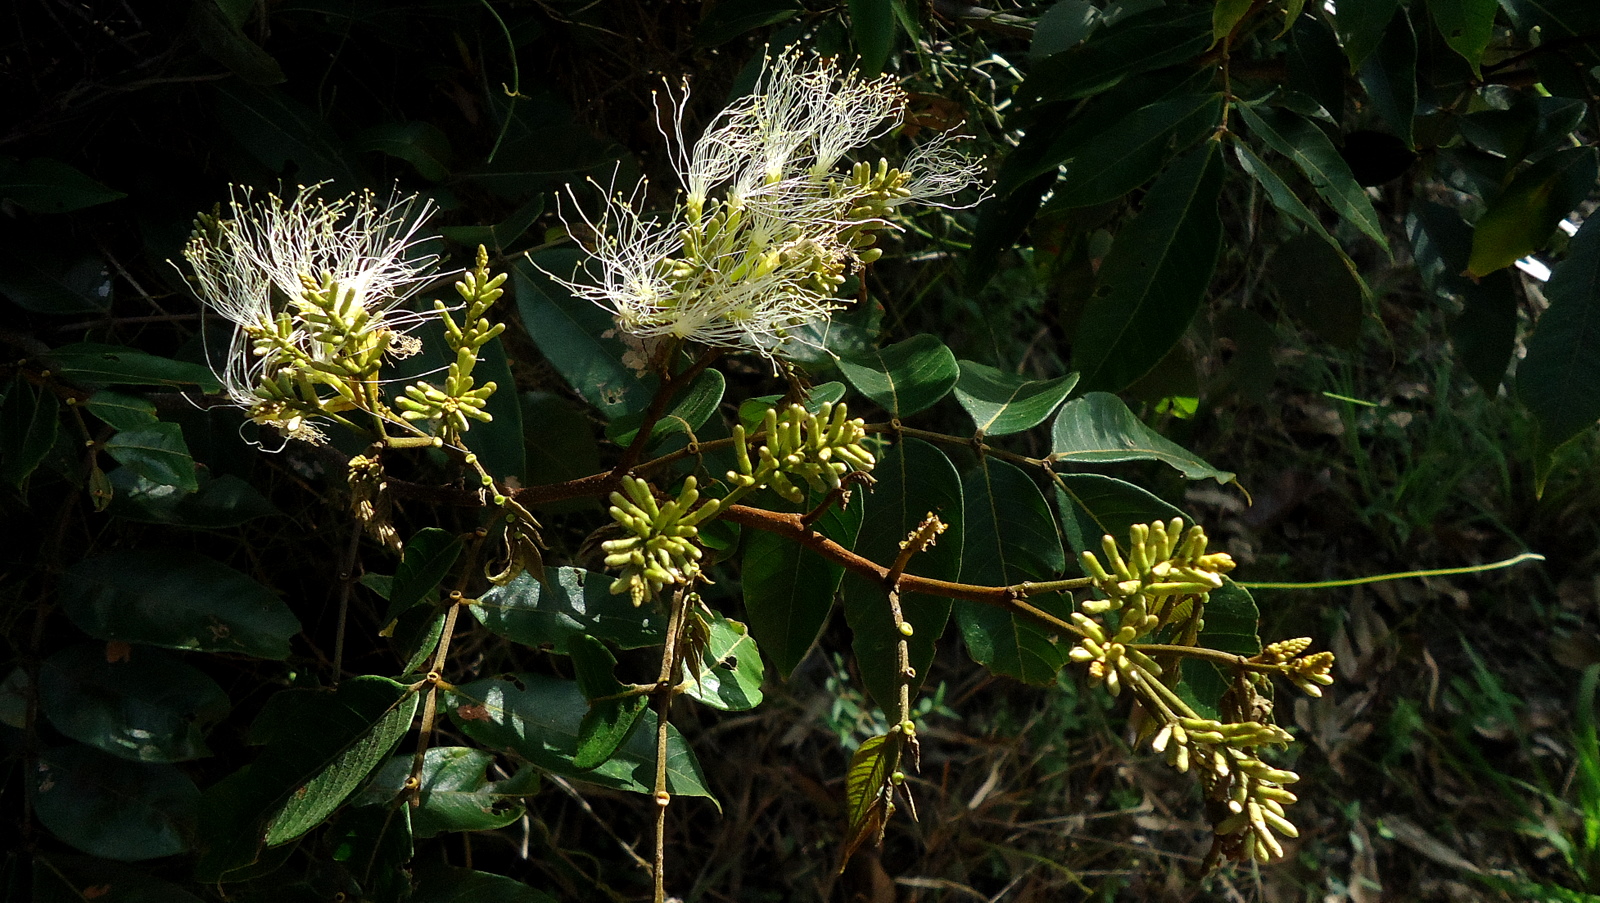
(312, 287)
(771, 223)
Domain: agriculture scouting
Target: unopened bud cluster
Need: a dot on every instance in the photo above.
(817, 448)
(660, 549)
(460, 401)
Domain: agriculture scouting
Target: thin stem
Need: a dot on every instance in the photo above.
(658, 406)
(1210, 655)
(1402, 575)
(671, 658)
(347, 578)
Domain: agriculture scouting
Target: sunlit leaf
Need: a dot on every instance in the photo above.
(731, 671)
(156, 452)
(572, 601)
(612, 714)
(1003, 403)
(455, 794)
(865, 805)
(1522, 218)
(905, 377)
(1099, 429)
(1467, 26)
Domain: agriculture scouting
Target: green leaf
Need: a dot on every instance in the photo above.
(731, 671)
(611, 716)
(1225, 16)
(753, 410)
(1093, 506)
(144, 705)
(42, 185)
(54, 278)
(905, 377)
(538, 718)
(560, 443)
(688, 411)
(157, 453)
(222, 39)
(872, 29)
(914, 480)
(498, 443)
(455, 795)
(568, 330)
(1361, 24)
(1231, 620)
(1485, 335)
(429, 554)
(1279, 192)
(180, 600)
(220, 502)
(501, 236)
(1003, 403)
(355, 729)
(1062, 25)
(121, 411)
(1139, 43)
(1310, 150)
(788, 589)
(572, 602)
(1559, 380)
(28, 427)
(76, 879)
(1010, 538)
(1523, 217)
(1316, 284)
(278, 130)
(448, 884)
(731, 18)
(1317, 64)
(1390, 77)
(91, 364)
(422, 144)
(1152, 282)
(865, 807)
(1131, 152)
(1467, 26)
(113, 808)
(1099, 429)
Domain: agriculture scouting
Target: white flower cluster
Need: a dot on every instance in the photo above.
(770, 223)
(312, 287)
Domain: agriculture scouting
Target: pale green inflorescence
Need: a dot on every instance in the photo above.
(772, 220)
(314, 289)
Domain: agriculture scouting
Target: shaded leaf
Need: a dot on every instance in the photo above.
(120, 410)
(421, 144)
(1523, 217)
(1099, 429)
(429, 554)
(1559, 380)
(224, 501)
(1231, 620)
(872, 29)
(1310, 150)
(222, 39)
(54, 278)
(28, 427)
(1131, 152)
(1390, 76)
(43, 185)
(1226, 15)
(1011, 538)
(905, 377)
(147, 706)
(1316, 284)
(611, 716)
(448, 884)
(111, 807)
(91, 364)
(572, 602)
(538, 718)
(1093, 506)
(455, 795)
(1138, 43)
(731, 18)
(157, 453)
(1064, 24)
(688, 411)
(789, 589)
(1152, 282)
(1003, 403)
(560, 442)
(1467, 26)
(180, 600)
(75, 879)
(1361, 24)
(278, 130)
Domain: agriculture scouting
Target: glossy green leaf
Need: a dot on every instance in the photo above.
(905, 377)
(143, 704)
(92, 364)
(28, 426)
(789, 589)
(1559, 380)
(1523, 217)
(76, 879)
(1152, 282)
(731, 672)
(1003, 403)
(455, 795)
(611, 716)
(1225, 16)
(1093, 506)
(872, 29)
(1467, 26)
(121, 410)
(1279, 192)
(448, 884)
(422, 144)
(568, 331)
(538, 718)
(1390, 77)
(180, 600)
(111, 807)
(1010, 538)
(560, 442)
(1138, 43)
(157, 453)
(1231, 620)
(429, 555)
(1131, 152)
(1361, 24)
(687, 412)
(1310, 150)
(915, 479)
(43, 185)
(730, 18)
(1064, 24)
(1099, 429)
(347, 769)
(573, 601)
(220, 502)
